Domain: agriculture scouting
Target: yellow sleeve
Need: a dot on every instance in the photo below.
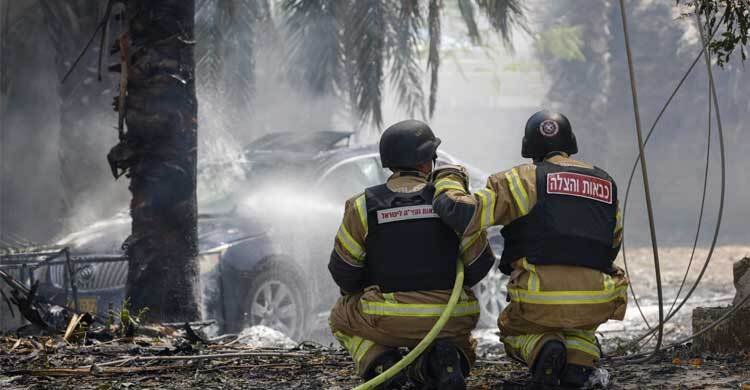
(507, 196)
(350, 238)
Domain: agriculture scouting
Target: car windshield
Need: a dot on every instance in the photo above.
(257, 177)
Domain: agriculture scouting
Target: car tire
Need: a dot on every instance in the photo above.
(491, 293)
(277, 297)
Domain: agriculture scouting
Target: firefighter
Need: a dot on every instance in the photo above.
(395, 263)
(562, 231)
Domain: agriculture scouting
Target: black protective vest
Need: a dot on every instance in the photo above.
(408, 247)
(572, 222)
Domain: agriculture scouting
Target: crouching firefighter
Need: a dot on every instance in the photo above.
(395, 262)
(562, 230)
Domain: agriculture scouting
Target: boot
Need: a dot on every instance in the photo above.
(444, 367)
(381, 364)
(576, 376)
(548, 367)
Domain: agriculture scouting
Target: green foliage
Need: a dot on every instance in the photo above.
(126, 321)
(733, 17)
(343, 47)
(564, 43)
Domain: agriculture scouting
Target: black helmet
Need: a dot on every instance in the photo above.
(407, 144)
(548, 132)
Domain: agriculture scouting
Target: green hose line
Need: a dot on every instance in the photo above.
(427, 340)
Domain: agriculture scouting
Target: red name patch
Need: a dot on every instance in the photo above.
(583, 186)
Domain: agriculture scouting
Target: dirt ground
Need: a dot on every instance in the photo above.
(40, 363)
(171, 362)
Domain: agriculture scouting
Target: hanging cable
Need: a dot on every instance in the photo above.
(635, 166)
(703, 206)
(719, 218)
(644, 173)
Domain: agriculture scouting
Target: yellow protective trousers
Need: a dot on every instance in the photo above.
(371, 323)
(580, 344)
(564, 303)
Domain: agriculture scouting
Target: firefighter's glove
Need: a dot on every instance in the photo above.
(449, 177)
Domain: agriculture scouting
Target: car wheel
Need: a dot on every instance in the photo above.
(491, 292)
(276, 299)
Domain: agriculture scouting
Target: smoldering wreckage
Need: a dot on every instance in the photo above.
(78, 334)
(259, 302)
(61, 347)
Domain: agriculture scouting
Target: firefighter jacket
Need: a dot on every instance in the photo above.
(395, 261)
(391, 238)
(562, 229)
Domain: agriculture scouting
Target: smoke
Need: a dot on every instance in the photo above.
(486, 94)
(29, 173)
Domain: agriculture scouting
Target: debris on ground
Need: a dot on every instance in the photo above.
(731, 335)
(72, 350)
(171, 361)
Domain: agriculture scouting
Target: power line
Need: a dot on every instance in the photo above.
(713, 97)
(644, 173)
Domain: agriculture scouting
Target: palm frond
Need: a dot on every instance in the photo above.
(313, 31)
(467, 13)
(402, 39)
(365, 56)
(210, 23)
(245, 20)
(503, 16)
(433, 57)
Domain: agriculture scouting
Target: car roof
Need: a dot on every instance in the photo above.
(295, 142)
(315, 152)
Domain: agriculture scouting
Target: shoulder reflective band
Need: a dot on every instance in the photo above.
(567, 297)
(582, 186)
(349, 244)
(362, 211)
(406, 213)
(445, 184)
(488, 197)
(518, 191)
(417, 309)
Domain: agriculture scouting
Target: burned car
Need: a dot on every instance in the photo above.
(264, 244)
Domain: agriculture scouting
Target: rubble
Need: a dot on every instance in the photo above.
(172, 362)
(732, 335)
(741, 270)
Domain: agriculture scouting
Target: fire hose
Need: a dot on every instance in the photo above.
(427, 340)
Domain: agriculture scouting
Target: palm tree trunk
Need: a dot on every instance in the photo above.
(160, 151)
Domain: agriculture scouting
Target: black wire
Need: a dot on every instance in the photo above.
(723, 183)
(703, 204)
(644, 175)
(635, 166)
(88, 45)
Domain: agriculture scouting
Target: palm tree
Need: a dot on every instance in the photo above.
(347, 47)
(159, 153)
